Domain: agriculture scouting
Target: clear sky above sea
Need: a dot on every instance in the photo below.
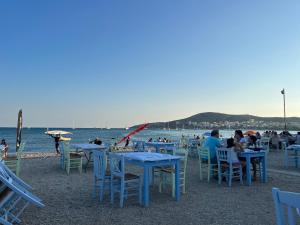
(117, 63)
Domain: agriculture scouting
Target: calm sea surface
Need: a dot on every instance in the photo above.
(38, 141)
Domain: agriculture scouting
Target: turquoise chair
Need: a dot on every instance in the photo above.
(205, 162)
(72, 160)
(171, 172)
(101, 177)
(286, 199)
(228, 162)
(126, 184)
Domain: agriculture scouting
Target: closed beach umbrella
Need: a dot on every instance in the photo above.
(250, 132)
(57, 132)
(19, 130)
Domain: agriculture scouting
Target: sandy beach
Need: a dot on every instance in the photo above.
(68, 199)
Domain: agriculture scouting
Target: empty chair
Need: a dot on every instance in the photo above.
(138, 146)
(101, 177)
(228, 165)
(126, 184)
(289, 200)
(72, 160)
(13, 160)
(290, 155)
(205, 162)
(163, 180)
(265, 143)
(14, 198)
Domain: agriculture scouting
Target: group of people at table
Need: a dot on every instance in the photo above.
(238, 144)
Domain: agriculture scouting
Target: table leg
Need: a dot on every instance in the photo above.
(296, 158)
(177, 180)
(146, 186)
(248, 170)
(264, 165)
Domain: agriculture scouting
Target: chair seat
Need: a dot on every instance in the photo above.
(75, 155)
(10, 157)
(168, 170)
(131, 176)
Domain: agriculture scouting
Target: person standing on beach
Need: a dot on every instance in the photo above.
(4, 148)
(56, 140)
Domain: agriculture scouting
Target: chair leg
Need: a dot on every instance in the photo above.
(122, 194)
(173, 185)
(219, 173)
(140, 191)
(208, 172)
(112, 191)
(94, 186)
(200, 165)
(160, 182)
(241, 174)
(230, 175)
(102, 184)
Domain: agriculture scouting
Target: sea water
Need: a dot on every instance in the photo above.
(37, 141)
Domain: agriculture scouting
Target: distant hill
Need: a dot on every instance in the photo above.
(227, 121)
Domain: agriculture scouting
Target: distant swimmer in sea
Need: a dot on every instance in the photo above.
(97, 141)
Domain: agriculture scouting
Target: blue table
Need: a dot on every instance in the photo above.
(296, 149)
(255, 154)
(148, 160)
(159, 145)
(88, 150)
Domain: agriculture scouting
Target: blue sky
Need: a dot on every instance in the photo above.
(118, 63)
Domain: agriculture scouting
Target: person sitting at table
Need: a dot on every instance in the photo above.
(4, 148)
(275, 140)
(252, 142)
(240, 141)
(257, 135)
(97, 141)
(212, 143)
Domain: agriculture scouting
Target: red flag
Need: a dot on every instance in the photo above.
(142, 127)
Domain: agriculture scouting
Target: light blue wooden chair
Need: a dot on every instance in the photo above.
(164, 179)
(138, 146)
(286, 199)
(15, 197)
(205, 162)
(127, 184)
(13, 160)
(101, 177)
(290, 156)
(228, 162)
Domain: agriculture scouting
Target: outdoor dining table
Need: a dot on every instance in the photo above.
(249, 154)
(148, 160)
(88, 150)
(296, 149)
(159, 145)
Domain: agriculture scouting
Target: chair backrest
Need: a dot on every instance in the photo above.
(226, 155)
(204, 153)
(21, 191)
(291, 201)
(66, 150)
(184, 156)
(117, 165)
(168, 149)
(138, 145)
(6, 172)
(99, 161)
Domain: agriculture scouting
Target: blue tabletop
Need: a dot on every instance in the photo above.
(148, 156)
